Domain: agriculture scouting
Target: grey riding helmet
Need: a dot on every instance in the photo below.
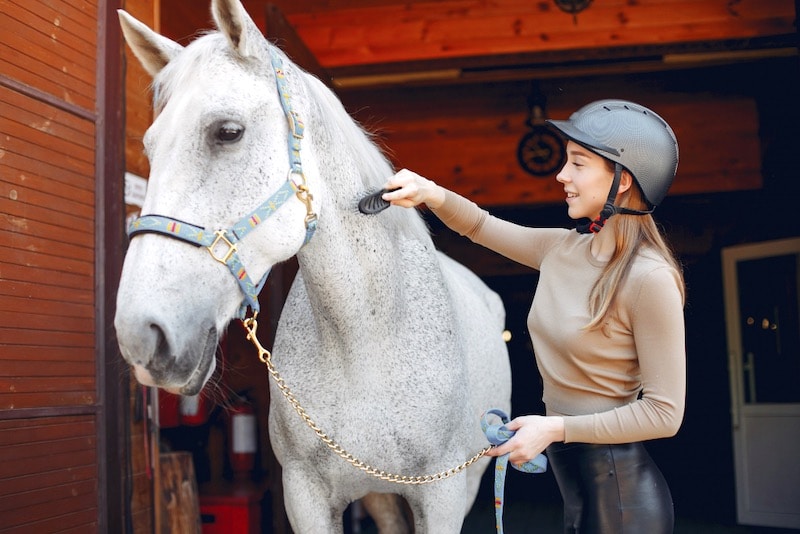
(629, 134)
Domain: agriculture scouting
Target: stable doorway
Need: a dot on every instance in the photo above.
(762, 292)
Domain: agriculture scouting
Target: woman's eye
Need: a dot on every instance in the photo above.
(229, 133)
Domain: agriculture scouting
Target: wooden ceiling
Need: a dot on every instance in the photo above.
(358, 43)
(461, 75)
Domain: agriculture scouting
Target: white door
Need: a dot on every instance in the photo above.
(762, 299)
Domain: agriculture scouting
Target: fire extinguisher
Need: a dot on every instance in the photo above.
(242, 438)
(194, 410)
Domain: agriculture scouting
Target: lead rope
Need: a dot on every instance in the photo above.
(497, 435)
(251, 325)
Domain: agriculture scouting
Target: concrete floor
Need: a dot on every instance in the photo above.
(546, 519)
(532, 506)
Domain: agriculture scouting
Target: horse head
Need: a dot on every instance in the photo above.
(219, 146)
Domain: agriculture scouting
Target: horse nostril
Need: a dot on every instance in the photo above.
(160, 347)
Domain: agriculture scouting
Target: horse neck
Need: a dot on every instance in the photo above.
(351, 266)
(351, 273)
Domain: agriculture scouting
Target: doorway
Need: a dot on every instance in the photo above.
(762, 296)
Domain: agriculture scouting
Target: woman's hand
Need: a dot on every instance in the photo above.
(533, 434)
(413, 190)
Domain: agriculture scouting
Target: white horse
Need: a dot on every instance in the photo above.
(393, 349)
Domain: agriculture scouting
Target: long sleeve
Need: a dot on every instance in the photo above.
(624, 383)
(522, 244)
(656, 316)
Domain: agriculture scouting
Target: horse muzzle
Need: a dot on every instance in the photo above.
(158, 362)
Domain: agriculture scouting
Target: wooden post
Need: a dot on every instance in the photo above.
(179, 499)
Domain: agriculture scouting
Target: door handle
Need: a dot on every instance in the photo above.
(735, 378)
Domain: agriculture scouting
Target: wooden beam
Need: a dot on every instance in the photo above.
(366, 34)
(681, 59)
(281, 33)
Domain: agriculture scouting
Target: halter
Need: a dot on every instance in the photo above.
(221, 244)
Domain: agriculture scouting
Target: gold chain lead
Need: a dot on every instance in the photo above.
(251, 325)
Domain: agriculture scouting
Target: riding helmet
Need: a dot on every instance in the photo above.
(631, 135)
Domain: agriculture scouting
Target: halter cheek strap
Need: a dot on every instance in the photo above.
(221, 244)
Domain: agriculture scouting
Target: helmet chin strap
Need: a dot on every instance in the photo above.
(609, 209)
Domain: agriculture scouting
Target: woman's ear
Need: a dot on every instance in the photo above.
(625, 182)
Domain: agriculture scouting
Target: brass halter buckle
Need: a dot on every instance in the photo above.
(223, 259)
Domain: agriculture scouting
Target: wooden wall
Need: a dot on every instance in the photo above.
(145, 470)
(349, 33)
(62, 462)
(466, 137)
(49, 403)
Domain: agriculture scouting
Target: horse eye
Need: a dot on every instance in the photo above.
(229, 133)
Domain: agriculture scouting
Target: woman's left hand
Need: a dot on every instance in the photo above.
(533, 433)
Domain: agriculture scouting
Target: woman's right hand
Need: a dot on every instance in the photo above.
(413, 190)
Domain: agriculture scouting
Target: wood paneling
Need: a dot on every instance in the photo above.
(141, 463)
(49, 476)
(47, 239)
(398, 32)
(51, 46)
(352, 36)
(466, 139)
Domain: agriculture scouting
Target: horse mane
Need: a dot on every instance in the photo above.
(374, 167)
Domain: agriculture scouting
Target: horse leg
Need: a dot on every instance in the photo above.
(310, 506)
(439, 509)
(388, 510)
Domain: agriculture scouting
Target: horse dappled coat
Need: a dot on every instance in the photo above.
(394, 349)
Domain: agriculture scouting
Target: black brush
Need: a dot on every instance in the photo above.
(373, 203)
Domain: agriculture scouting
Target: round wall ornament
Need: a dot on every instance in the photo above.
(541, 151)
(572, 6)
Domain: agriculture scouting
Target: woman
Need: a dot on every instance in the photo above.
(606, 320)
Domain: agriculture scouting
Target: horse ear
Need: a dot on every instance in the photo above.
(152, 50)
(232, 20)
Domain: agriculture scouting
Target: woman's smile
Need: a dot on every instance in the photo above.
(586, 178)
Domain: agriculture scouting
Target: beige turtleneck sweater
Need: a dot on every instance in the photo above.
(624, 386)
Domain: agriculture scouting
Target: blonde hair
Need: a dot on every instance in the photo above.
(632, 233)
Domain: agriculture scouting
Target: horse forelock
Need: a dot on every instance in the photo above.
(210, 49)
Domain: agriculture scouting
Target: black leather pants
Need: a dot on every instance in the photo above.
(611, 489)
